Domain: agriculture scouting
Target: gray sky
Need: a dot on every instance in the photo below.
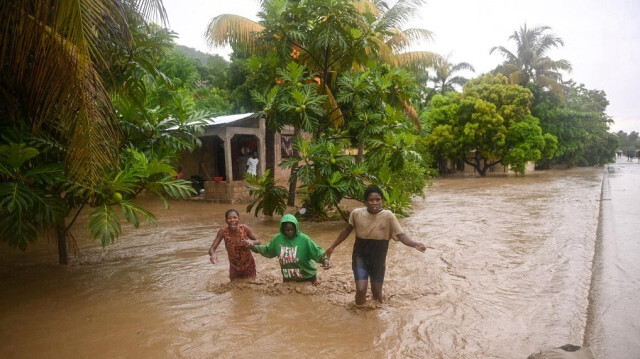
(602, 37)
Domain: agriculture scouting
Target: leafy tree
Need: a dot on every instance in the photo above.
(182, 71)
(346, 33)
(488, 123)
(203, 85)
(27, 205)
(530, 62)
(335, 42)
(296, 101)
(628, 142)
(580, 124)
(326, 175)
(36, 197)
(368, 99)
(60, 141)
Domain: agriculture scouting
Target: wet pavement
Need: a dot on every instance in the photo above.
(613, 330)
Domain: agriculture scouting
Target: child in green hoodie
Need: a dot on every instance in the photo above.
(295, 250)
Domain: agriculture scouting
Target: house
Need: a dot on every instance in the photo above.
(219, 165)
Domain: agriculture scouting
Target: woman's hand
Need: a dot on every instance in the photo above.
(328, 252)
(249, 243)
(213, 258)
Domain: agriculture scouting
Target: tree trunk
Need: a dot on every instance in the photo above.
(270, 152)
(360, 154)
(61, 233)
(293, 178)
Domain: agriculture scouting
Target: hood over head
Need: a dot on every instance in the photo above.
(289, 218)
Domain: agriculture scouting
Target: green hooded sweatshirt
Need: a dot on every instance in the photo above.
(295, 254)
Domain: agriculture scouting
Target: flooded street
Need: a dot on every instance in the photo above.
(511, 274)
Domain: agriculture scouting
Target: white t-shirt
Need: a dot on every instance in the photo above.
(252, 166)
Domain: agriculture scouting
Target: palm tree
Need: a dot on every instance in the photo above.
(51, 59)
(329, 37)
(392, 41)
(530, 61)
(58, 67)
(444, 79)
(346, 35)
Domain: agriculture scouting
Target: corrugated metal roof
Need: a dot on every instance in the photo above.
(220, 120)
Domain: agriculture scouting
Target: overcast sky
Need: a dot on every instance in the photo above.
(602, 37)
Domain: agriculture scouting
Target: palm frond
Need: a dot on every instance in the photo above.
(411, 112)
(510, 57)
(233, 30)
(49, 53)
(462, 66)
(401, 12)
(332, 108)
(152, 10)
(398, 41)
(418, 59)
(382, 50)
(418, 36)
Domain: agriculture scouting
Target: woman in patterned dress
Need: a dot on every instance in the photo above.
(237, 240)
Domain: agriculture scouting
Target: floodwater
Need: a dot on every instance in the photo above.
(511, 274)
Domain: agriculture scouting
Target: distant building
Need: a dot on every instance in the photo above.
(219, 165)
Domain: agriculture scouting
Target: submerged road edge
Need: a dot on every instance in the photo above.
(591, 326)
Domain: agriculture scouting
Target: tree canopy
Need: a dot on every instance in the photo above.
(490, 122)
(75, 129)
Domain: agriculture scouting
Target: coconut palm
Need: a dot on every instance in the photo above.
(59, 139)
(530, 61)
(51, 59)
(392, 40)
(329, 37)
(445, 78)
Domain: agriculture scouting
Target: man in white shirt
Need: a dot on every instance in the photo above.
(252, 164)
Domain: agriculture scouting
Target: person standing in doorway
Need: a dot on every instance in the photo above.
(374, 228)
(252, 164)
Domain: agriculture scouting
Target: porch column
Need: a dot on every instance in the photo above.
(262, 146)
(227, 157)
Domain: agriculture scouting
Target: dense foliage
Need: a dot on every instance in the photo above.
(332, 68)
(580, 123)
(490, 122)
(78, 130)
(573, 114)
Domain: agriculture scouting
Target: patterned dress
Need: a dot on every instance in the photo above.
(241, 263)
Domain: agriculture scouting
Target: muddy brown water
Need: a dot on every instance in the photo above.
(510, 274)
